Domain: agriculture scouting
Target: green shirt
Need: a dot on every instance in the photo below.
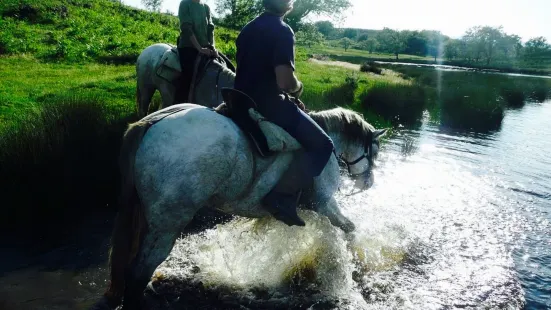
(195, 19)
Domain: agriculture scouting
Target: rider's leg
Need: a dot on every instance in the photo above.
(187, 62)
(309, 163)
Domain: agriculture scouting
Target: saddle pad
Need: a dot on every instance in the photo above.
(160, 114)
(278, 139)
(169, 65)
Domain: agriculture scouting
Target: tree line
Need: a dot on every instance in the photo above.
(483, 45)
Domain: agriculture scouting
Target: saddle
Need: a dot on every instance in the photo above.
(267, 137)
(169, 66)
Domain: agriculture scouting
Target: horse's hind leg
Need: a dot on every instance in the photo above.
(163, 230)
(155, 248)
(168, 94)
(144, 94)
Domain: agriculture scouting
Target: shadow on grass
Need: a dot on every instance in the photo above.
(60, 159)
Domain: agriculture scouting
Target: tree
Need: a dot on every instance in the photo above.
(350, 33)
(153, 5)
(237, 13)
(325, 27)
(416, 43)
(371, 44)
(363, 37)
(391, 41)
(537, 49)
(309, 35)
(435, 43)
(482, 42)
(346, 43)
(368, 45)
(304, 8)
(452, 49)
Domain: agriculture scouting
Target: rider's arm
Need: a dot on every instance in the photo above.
(210, 27)
(186, 25)
(286, 79)
(284, 63)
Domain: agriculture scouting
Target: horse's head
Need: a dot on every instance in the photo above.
(356, 142)
(360, 159)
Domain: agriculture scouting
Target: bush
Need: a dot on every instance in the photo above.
(343, 94)
(472, 107)
(514, 97)
(539, 93)
(370, 66)
(399, 103)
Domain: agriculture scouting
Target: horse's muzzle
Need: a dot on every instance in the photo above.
(364, 181)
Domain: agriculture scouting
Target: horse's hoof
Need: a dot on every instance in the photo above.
(348, 227)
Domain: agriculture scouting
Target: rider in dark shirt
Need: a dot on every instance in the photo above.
(265, 71)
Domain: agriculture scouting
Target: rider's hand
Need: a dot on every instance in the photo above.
(298, 93)
(300, 105)
(214, 53)
(206, 51)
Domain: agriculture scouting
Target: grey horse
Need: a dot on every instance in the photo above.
(198, 158)
(215, 76)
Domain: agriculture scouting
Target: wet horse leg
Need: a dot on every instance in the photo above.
(155, 248)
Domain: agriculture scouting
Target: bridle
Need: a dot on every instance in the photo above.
(368, 154)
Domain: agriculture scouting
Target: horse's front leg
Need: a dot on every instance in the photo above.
(322, 199)
(331, 209)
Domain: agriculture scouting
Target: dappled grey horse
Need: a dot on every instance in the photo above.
(195, 157)
(207, 88)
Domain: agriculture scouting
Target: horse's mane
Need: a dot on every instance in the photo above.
(351, 124)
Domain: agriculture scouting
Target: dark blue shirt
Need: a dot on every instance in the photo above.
(263, 44)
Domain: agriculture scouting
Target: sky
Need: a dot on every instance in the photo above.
(526, 18)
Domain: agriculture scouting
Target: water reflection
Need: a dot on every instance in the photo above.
(455, 219)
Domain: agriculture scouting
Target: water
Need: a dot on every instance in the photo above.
(454, 220)
(459, 68)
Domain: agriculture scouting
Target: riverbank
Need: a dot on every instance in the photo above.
(359, 57)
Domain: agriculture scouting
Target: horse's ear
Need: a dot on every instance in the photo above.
(379, 133)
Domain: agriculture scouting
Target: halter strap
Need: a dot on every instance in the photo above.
(368, 154)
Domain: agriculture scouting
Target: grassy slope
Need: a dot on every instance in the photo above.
(26, 83)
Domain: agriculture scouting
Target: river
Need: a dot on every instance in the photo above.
(455, 220)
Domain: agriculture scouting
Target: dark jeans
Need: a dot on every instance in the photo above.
(317, 144)
(187, 62)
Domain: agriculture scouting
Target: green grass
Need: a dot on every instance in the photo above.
(27, 82)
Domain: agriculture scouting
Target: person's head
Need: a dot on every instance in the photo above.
(279, 7)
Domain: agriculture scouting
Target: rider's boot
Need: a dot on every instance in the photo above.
(282, 201)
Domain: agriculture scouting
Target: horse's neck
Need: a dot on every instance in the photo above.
(339, 143)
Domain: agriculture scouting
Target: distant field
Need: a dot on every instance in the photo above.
(339, 51)
(360, 56)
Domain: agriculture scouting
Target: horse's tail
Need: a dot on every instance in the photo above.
(130, 223)
(138, 106)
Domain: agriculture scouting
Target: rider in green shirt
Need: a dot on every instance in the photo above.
(196, 36)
